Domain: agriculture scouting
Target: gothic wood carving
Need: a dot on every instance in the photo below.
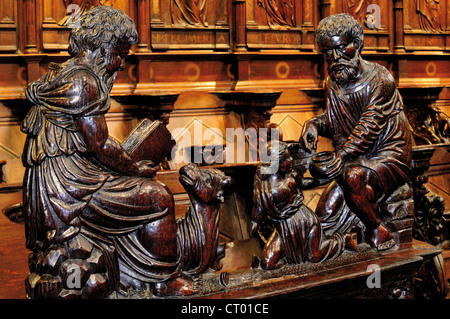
(429, 13)
(189, 12)
(364, 118)
(280, 14)
(429, 222)
(95, 219)
(429, 124)
(297, 236)
(279, 24)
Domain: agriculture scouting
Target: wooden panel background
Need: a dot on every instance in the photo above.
(227, 45)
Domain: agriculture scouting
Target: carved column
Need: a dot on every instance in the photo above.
(325, 8)
(143, 25)
(398, 26)
(30, 13)
(239, 24)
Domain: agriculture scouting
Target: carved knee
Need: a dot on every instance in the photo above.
(158, 196)
(354, 179)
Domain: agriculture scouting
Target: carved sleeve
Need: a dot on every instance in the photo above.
(374, 121)
(60, 98)
(84, 94)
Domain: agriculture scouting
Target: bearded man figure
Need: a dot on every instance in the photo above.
(78, 179)
(364, 118)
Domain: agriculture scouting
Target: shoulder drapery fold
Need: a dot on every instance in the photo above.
(58, 98)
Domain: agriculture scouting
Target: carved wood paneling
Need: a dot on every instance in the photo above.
(280, 24)
(232, 45)
(425, 25)
(58, 16)
(376, 19)
(234, 36)
(199, 24)
(423, 71)
(8, 26)
(279, 70)
(56, 21)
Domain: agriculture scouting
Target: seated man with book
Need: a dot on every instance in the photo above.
(79, 179)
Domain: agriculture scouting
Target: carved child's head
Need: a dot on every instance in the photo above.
(278, 156)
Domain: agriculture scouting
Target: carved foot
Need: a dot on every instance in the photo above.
(380, 238)
(180, 286)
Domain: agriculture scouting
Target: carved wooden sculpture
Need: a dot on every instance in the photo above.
(365, 120)
(429, 221)
(298, 235)
(429, 124)
(95, 220)
(205, 188)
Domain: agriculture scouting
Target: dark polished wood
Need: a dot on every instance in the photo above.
(228, 45)
(365, 120)
(297, 235)
(348, 276)
(111, 227)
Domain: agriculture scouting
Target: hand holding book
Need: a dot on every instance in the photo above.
(149, 144)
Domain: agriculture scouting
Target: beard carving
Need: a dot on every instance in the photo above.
(343, 72)
(100, 67)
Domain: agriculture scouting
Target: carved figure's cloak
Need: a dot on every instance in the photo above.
(66, 189)
(367, 121)
(297, 225)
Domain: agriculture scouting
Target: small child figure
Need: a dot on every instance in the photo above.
(297, 236)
